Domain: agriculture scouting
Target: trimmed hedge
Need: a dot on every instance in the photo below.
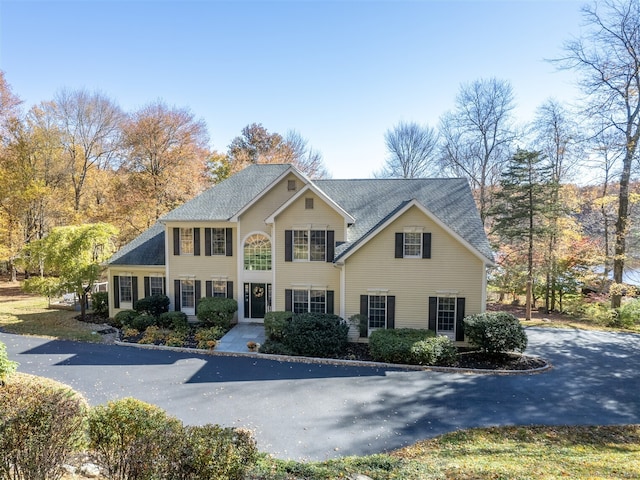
(41, 426)
(217, 311)
(411, 346)
(316, 334)
(495, 332)
(434, 351)
(132, 439)
(275, 324)
(173, 320)
(154, 305)
(210, 451)
(127, 437)
(394, 345)
(123, 318)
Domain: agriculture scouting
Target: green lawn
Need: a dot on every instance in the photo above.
(31, 316)
(488, 453)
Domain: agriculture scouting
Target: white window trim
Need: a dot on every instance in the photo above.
(308, 229)
(404, 245)
(308, 289)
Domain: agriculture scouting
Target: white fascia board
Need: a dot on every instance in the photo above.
(311, 186)
(436, 220)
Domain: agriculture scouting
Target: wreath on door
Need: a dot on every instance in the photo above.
(258, 291)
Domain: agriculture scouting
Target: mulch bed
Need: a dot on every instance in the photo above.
(467, 359)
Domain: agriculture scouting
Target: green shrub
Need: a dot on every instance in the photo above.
(275, 347)
(142, 322)
(173, 320)
(495, 332)
(361, 322)
(100, 303)
(128, 436)
(7, 367)
(394, 345)
(217, 311)
(628, 315)
(207, 338)
(316, 334)
(210, 451)
(155, 305)
(123, 318)
(434, 351)
(275, 324)
(41, 426)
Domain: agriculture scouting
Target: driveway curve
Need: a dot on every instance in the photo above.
(309, 411)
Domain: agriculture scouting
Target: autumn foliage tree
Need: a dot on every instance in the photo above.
(165, 156)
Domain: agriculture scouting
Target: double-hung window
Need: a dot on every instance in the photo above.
(314, 300)
(218, 241)
(300, 245)
(379, 309)
(156, 285)
(126, 289)
(186, 241)
(412, 245)
(187, 294)
(377, 312)
(219, 288)
(309, 245)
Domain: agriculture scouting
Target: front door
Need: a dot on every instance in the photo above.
(256, 299)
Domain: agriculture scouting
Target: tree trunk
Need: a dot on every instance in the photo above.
(621, 226)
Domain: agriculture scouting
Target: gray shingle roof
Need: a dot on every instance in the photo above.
(146, 249)
(225, 199)
(371, 202)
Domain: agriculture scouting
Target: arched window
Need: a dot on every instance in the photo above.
(257, 253)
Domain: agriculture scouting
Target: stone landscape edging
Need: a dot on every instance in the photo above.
(335, 361)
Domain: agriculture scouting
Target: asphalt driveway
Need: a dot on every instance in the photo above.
(316, 411)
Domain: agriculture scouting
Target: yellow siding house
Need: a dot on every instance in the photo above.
(403, 252)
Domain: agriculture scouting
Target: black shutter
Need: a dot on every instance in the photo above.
(208, 288)
(433, 312)
(116, 291)
(147, 287)
(364, 305)
(134, 289)
(460, 319)
(164, 285)
(288, 300)
(229, 242)
(207, 242)
(330, 300)
(331, 245)
(198, 294)
(176, 241)
(364, 311)
(399, 245)
(176, 287)
(229, 289)
(196, 241)
(426, 245)
(288, 245)
(391, 311)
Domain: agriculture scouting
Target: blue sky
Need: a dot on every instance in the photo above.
(340, 73)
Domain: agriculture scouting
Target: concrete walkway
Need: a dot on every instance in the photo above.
(235, 341)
